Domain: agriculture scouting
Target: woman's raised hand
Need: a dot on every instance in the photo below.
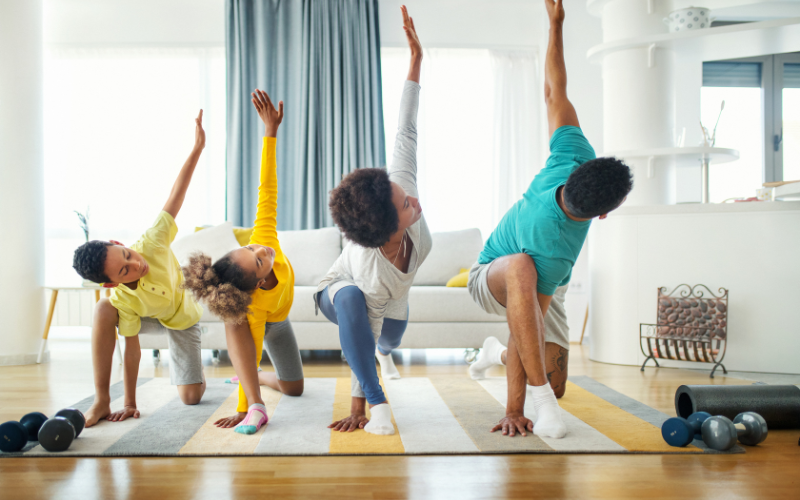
(411, 34)
(271, 117)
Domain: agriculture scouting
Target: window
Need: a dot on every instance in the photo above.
(478, 131)
(119, 124)
(761, 120)
(740, 126)
(786, 147)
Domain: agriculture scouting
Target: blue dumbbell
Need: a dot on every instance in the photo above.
(680, 432)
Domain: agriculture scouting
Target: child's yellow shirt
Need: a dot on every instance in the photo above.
(269, 306)
(159, 294)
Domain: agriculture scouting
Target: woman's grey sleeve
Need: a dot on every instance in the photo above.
(403, 169)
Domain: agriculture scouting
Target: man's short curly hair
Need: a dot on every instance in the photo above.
(597, 187)
(90, 260)
(361, 205)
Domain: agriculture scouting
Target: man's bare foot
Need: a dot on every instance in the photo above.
(228, 422)
(98, 411)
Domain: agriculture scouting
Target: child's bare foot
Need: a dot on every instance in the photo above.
(98, 411)
(228, 422)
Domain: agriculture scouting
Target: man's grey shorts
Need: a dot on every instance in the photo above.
(556, 329)
(186, 363)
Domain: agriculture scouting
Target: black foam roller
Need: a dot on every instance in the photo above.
(778, 404)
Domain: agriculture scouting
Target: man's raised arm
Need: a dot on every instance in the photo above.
(560, 111)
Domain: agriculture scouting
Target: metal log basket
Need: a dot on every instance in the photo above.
(692, 325)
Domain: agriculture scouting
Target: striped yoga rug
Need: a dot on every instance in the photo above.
(437, 415)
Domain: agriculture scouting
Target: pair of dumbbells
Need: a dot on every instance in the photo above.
(54, 434)
(718, 433)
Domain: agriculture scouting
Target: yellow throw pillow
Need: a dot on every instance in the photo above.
(242, 234)
(460, 279)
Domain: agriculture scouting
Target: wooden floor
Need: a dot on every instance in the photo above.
(771, 470)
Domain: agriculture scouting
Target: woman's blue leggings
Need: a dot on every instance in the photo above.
(349, 311)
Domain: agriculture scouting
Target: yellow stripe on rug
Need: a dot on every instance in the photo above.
(210, 439)
(359, 441)
(629, 431)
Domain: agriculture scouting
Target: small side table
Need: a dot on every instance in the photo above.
(52, 309)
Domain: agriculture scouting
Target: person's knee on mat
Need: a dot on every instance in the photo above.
(349, 298)
(191, 394)
(293, 388)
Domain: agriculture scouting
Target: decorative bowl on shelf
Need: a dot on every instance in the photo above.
(690, 18)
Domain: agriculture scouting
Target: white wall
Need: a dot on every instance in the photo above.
(134, 22)
(463, 23)
(21, 192)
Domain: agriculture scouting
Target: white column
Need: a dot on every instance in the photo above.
(21, 178)
(639, 96)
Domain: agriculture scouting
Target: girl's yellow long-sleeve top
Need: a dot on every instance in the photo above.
(269, 306)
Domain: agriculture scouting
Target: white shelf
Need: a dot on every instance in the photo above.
(739, 40)
(792, 190)
(595, 7)
(682, 156)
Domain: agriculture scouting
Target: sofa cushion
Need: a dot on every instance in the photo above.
(432, 304)
(440, 304)
(311, 252)
(303, 306)
(451, 252)
(214, 241)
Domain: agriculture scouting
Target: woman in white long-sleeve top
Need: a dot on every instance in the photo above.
(366, 290)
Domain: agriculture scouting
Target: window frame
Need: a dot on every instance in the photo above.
(772, 106)
(777, 112)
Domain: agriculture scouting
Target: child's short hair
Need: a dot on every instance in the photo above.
(90, 259)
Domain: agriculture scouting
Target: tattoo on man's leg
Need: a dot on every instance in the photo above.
(561, 359)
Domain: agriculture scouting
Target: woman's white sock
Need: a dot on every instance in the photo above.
(548, 422)
(380, 421)
(388, 369)
(491, 355)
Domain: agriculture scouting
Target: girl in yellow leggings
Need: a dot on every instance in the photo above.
(256, 283)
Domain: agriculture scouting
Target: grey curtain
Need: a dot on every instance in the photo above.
(322, 58)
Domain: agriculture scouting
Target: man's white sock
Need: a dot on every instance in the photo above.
(491, 355)
(549, 422)
(380, 421)
(388, 369)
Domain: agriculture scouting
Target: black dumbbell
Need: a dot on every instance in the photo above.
(14, 435)
(76, 417)
(33, 422)
(56, 434)
(749, 428)
(678, 431)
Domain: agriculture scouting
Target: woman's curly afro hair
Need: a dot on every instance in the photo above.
(223, 287)
(361, 205)
(597, 187)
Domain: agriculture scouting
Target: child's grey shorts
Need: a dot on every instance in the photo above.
(186, 363)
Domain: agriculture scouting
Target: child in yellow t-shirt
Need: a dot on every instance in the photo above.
(255, 282)
(147, 297)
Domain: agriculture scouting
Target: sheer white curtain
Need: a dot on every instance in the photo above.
(478, 134)
(119, 123)
(517, 136)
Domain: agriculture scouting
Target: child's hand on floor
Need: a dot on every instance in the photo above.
(123, 414)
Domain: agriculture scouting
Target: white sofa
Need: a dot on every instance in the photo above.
(439, 316)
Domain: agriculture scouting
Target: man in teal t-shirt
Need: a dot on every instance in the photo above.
(526, 265)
